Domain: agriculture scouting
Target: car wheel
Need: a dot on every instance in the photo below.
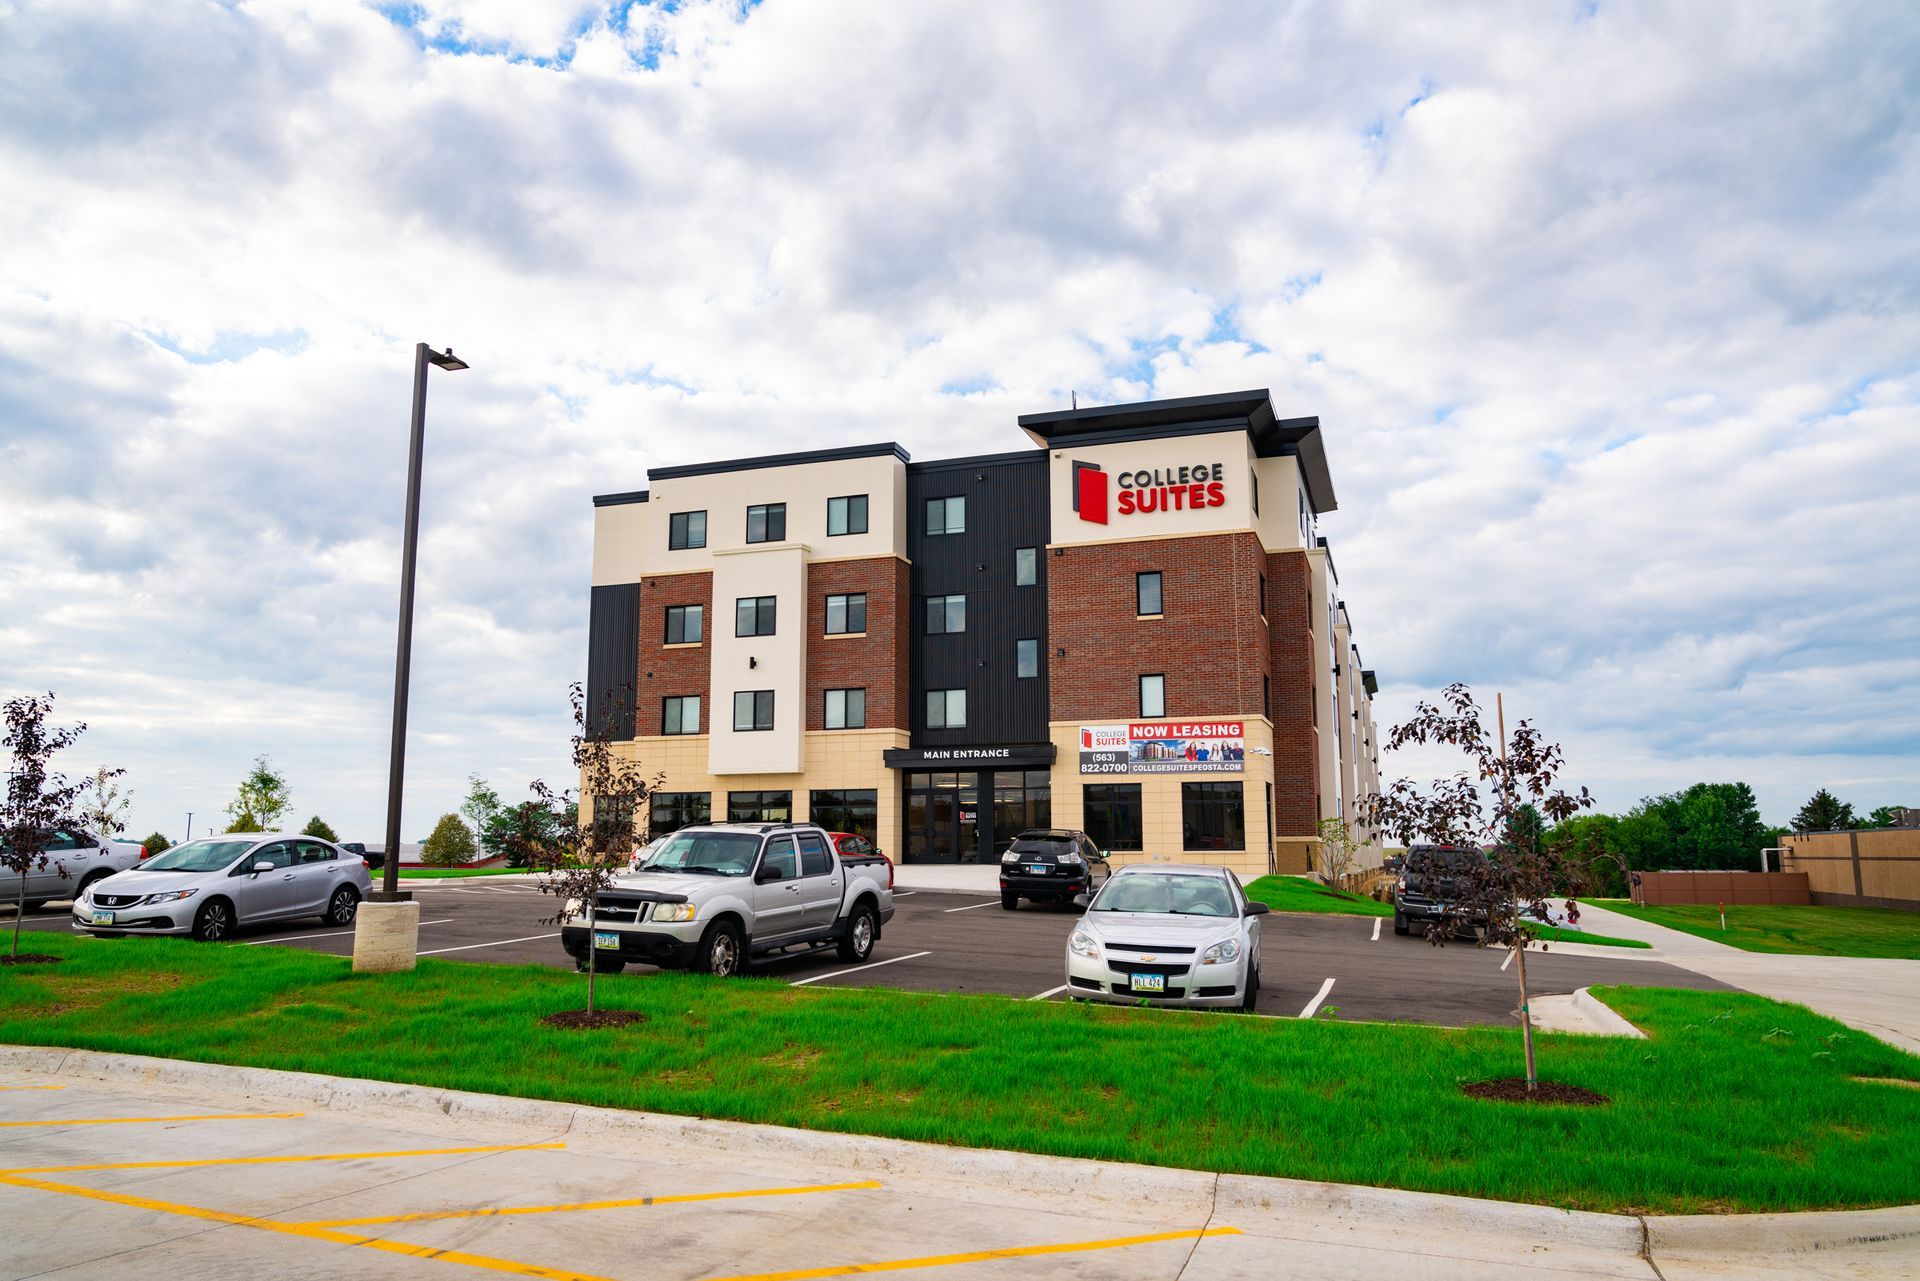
(1400, 925)
(342, 906)
(722, 950)
(1009, 901)
(601, 965)
(86, 886)
(1251, 997)
(857, 943)
(214, 921)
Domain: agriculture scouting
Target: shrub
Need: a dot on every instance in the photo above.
(449, 845)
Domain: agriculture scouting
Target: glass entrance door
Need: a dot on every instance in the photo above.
(943, 818)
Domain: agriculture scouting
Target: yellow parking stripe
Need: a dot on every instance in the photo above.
(281, 1160)
(150, 1120)
(32, 1087)
(980, 1256)
(503, 1211)
(301, 1230)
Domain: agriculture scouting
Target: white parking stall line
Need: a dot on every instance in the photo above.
(834, 974)
(969, 907)
(1509, 961)
(301, 938)
(1052, 991)
(438, 951)
(905, 893)
(1376, 929)
(1313, 1006)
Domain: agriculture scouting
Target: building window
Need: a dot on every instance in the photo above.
(1212, 816)
(1266, 696)
(767, 524)
(846, 709)
(947, 515)
(680, 715)
(946, 614)
(853, 811)
(1112, 815)
(753, 616)
(1254, 476)
(686, 529)
(1026, 658)
(753, 709)
(847, 515)
(1146, 594)
(685, 623)
(759, 807)
(1022, 800)
(1026, 566)
(1153, 697)
(946, 709)
(668, 812)
(1262, 602)
(846, 614)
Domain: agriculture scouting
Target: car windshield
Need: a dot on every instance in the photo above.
(711, 853)
(1444, 860)
(197, 856)
(1166, 896)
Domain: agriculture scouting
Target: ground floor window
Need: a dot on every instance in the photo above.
(670, 811)
(759, 807)
(1113, 815)
(1213, 816)
(1022, 799)
(847, 811)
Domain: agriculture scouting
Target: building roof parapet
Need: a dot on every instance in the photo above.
(798, 459)
(616, 500)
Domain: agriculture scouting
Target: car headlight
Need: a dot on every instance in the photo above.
(675, 911)
(1221, 952)
(170, 896)
(573, 910)
(1083, 944)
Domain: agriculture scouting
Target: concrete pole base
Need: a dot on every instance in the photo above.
(386, 936)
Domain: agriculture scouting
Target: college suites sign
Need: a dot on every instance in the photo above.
(1146, 490)
(1164, 747)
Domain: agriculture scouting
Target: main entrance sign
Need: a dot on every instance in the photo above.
(1164, 747)
(1147, 490)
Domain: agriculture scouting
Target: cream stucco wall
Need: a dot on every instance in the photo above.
(777, 662)
(1280, 491)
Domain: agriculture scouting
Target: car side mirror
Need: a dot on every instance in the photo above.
(1083, 900)
(767, 874)
(1257, 909)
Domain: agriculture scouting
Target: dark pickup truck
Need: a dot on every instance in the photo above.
(1429, 886)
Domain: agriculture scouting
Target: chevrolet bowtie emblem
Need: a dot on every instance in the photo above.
(1145, 957)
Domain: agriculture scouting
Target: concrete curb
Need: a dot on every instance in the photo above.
(1465, 1228)
(1606, 1020)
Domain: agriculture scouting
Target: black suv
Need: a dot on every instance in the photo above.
(1050, 865)
(1428, 885)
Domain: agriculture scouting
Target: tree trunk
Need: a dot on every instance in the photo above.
(20, 912)
(593, 959)
(1526, 1014)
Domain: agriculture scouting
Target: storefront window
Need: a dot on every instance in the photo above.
(670, 811)
(847, 811)
(1022, 799)
(759, 807)
(1113, 815)
(1212, 816)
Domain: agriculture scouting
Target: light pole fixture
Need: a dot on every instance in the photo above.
(423, 356)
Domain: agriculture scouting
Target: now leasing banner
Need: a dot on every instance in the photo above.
(1164, 747)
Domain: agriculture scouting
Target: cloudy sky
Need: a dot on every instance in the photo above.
(1610, 312)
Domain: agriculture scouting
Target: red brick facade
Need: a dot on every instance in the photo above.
(1296, 737)
(1211, 643)
(671, 672)
(876, 662)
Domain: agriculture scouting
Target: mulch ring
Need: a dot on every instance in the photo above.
(579, 1020)
(31, 958)
(1513, 1089)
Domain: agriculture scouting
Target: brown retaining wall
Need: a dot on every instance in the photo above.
(1880, 868)
(1663, 888)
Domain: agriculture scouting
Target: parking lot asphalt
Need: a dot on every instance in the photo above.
(1316, 966)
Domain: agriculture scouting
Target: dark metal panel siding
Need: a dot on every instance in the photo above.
(1007, 508)
(613, 658)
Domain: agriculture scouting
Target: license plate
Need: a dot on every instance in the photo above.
(1149, 982)
(606, 940)
(1038, 869)
(103, 918)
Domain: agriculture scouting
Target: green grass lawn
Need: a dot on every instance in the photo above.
(443, 873)
(1802, 931)
(1298, 894)
(1734, 1103)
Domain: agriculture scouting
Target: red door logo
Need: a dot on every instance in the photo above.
(1090, 492)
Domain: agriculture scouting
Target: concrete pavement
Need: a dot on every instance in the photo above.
(1876, 996)
(117, 1166)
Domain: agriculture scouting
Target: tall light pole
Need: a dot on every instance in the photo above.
(384, 938)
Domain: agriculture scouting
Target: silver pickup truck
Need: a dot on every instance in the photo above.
(712, 897)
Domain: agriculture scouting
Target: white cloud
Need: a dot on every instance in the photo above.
(1610, 316)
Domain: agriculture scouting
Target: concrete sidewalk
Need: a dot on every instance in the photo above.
(121, 1166)
(1878, 997)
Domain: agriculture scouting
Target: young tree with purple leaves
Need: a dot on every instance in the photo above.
(39, 803)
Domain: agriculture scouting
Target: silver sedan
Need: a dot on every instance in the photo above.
(209, 887)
